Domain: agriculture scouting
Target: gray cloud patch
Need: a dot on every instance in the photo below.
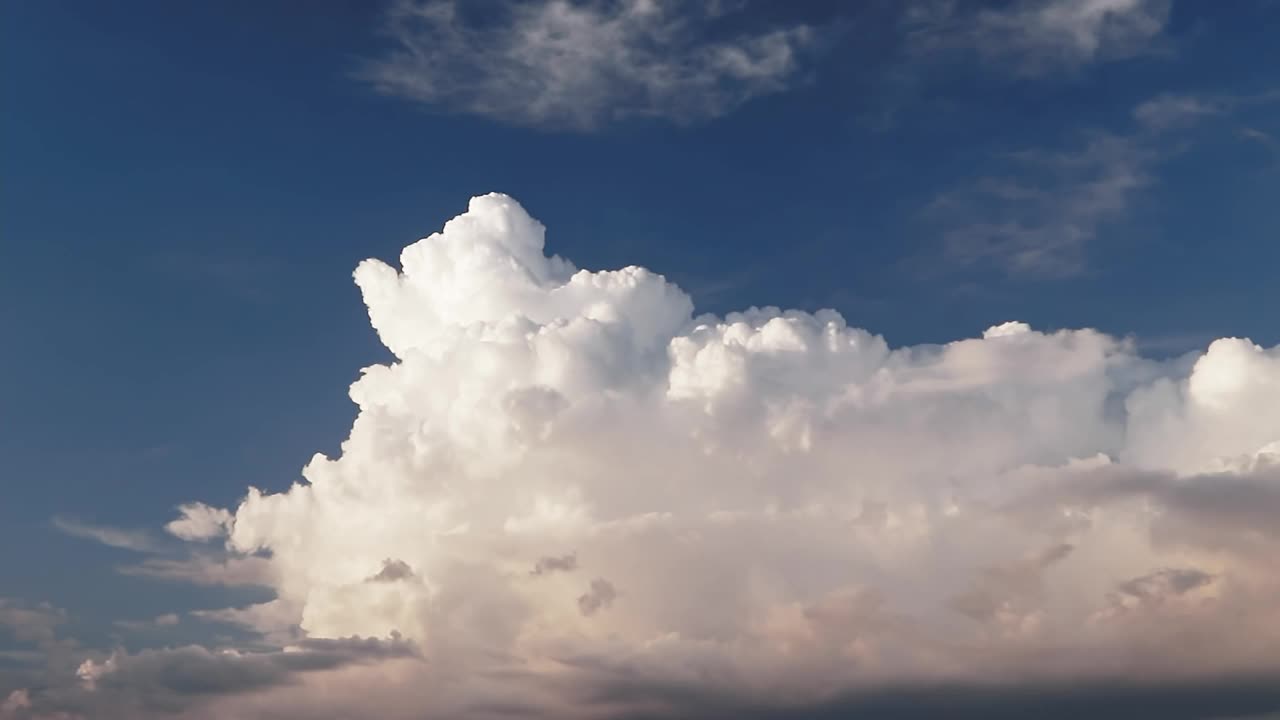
(1011, 592)
(600, 596)
(550, 564)
(392, 571)
(167, 681)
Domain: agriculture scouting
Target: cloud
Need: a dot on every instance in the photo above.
(550, 564)
(1042, 214)
(1260, 137)
(580, 65)
(159, 621)
(199, 569)
(1041, 208)
(1171, 111)
(599, 596)
(392, 570)
(191, 681)
(199, 522)
(1036, 37)
(17, 700)
(136, 540)
(780, 514)
(30, 623)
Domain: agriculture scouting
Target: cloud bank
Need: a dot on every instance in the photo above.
(576, 498)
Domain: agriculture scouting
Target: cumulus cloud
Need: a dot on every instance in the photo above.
(578, 65)
(1033, 37)
(767, 511)
(199, 522)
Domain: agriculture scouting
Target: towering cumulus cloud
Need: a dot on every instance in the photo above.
(577, 498)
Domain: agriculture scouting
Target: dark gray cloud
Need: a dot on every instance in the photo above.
(600, 596)
(550, 564)
(174, 681)
(393, 570)
(1213, 699)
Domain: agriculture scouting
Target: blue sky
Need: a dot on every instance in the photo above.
(188, 188)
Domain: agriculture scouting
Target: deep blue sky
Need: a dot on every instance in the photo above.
(187, 187)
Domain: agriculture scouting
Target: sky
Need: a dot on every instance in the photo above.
(634, 358)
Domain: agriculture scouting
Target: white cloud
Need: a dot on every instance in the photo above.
(580, 500)
(199, 522)
(578, 65)
(1034, 37)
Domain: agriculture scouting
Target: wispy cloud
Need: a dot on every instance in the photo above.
(574, 65)
(1260, 137)
(1040, 216)
(1041, 209)
(136, 540)
(1171, 111)
(1035, 37)
(159, 621)
(235, 571)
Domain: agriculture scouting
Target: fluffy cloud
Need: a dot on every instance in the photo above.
(577, 65)
(199, 522)
(578, 499)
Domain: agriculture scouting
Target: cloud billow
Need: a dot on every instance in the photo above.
(766, 510)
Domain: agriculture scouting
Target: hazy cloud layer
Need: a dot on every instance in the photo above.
(578, 65)
(572, 497)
